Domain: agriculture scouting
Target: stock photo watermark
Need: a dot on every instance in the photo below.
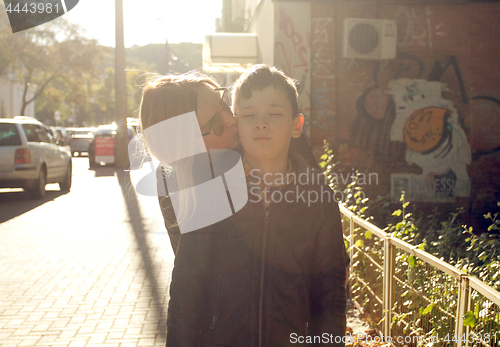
(259, 191)
(27, 14)
(352, 339)
(204, 187)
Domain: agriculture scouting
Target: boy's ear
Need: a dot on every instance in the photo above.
(297, 127)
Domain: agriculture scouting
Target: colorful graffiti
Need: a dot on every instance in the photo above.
(443, 136)
(435, 140)
(292, 49)
(323, 76)
(436, 188)
(416, 29)
(323, 68)
(427, 128)
(376, 112)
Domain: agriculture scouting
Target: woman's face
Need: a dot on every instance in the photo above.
(209, 103)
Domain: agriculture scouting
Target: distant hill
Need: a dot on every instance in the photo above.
(183, 57)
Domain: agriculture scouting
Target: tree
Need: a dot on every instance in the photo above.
(50, 54)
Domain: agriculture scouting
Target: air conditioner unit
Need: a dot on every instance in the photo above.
(369, 38)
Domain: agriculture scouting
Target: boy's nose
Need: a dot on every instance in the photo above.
(261, 123)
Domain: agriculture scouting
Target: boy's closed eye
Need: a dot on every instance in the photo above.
(252, 115)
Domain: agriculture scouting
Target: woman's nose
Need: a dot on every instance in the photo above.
(229, 118)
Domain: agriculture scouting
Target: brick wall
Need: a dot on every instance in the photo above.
(456, 44)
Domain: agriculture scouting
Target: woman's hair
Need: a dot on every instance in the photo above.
(165, 97)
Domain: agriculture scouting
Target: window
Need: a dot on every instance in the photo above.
(44, 135)
(36, 133)
(9, 135)
(30, 131)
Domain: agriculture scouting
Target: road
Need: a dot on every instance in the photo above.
(86, 268)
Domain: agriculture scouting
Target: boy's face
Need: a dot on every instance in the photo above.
(265, 124)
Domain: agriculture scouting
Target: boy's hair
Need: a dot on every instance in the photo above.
(262, 76)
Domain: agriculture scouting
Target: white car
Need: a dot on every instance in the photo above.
(30, 157)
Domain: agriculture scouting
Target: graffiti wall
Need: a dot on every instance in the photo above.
(292, 49)
(435, 141)
(323, 101)
(427, 121)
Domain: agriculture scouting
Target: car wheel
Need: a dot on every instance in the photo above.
(65, 185)
(38, 191)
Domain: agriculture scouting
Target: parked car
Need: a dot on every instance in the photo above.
(30, 157)
(80, 139)
(61, 136)
(103, 141)
(70, 131)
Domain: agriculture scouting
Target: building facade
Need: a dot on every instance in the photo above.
(11, 98)
(425, 120)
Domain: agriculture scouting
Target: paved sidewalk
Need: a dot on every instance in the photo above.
(88, 268)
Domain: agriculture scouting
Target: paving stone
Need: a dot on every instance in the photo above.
(146, 342)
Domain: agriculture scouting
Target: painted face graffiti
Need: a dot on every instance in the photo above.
(426, 129)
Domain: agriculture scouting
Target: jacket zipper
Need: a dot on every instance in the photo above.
(214, 319)
(262, 267)
(306, 306)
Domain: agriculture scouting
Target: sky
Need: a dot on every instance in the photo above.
(148, 21)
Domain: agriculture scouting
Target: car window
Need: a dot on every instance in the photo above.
(43, 135)
(36, 133)
(82, 133)
(30, 131)
(49, 135)
(9, 136)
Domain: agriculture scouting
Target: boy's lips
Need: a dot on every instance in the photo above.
(261, 138)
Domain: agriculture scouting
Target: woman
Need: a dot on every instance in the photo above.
(165, 97)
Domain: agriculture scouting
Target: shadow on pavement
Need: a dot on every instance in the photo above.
(16, 203)
(136, 219)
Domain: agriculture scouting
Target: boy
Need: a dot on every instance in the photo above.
(274, 273)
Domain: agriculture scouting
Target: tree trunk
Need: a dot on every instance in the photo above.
(37, 94)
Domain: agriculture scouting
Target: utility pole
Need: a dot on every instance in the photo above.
(121, 139)
(167, 57)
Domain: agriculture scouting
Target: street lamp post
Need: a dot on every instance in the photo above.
(121, 139)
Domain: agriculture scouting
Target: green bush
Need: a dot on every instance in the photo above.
(446, 237)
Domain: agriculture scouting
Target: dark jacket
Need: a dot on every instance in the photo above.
(263, 274)
(298, 145)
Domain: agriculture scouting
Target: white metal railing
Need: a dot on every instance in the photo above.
(463, 293)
